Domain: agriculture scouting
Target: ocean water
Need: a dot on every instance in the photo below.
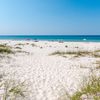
(72, 38)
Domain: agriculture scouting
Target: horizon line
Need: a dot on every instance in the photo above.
(47, 34)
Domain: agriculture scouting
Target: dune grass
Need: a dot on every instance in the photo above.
(97, 50)
(90, 88)
(5, 49)
(75, 53)
(20, 44)
(18, 47)
(33, 45)
(95, 54)
(98, 64)
(12, 90)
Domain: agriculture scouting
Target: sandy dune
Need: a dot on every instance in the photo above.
(49, 76)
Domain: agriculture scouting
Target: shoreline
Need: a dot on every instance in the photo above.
(60, 41)
(64, 38)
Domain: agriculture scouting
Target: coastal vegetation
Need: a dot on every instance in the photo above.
(96, 53)
(20, 51)
(5, 49)
(98, 64)
(11, 89)
(33, 44)
(90, 90)
(18, 47)
(20, 44)
(77, 53)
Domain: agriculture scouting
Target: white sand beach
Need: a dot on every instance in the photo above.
(49, 77)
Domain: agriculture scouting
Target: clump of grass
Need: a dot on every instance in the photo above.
(66, 46)
(97, 50)
(20, 44)
(41, 47)
(19, 51)
(96, 53)
(18, 47)
(5, 49)
(76, 53)
(98, 64)
(27, 43)
(33, 45)
(2, 45)
(91, 88)
(98, 67)
(58, 53)
(12, 89)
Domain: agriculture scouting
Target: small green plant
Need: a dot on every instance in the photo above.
(90, 88)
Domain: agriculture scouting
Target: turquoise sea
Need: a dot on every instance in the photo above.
(74, 38)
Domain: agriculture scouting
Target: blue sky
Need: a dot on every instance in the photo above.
(50, 17)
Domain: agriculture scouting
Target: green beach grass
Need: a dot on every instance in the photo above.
(5, 49)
